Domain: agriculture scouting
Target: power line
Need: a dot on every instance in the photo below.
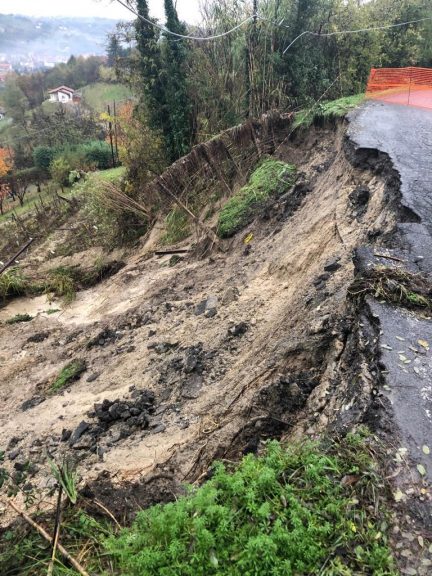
(374, 28)
(182, 36)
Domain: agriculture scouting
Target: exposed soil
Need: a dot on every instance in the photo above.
(257, 341)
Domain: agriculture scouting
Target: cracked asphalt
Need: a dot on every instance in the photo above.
(405, 135)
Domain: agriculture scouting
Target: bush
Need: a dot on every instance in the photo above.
(99, 154)
(18, 318)
(283, 514)
(271, 178)
(43, 157)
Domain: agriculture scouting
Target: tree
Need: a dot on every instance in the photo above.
(59, 170)
(4, 193)
(177, 125)
(6, 162)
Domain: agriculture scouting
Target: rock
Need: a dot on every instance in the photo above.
(38, 337)
(162, 347)
(159, 429)
(151, 333)
(321, 279)
(238, 329)
(21, 465)
(78, 432)
(231, 294)
(332, 265)
(13, 442)
(93, 377)
(207, 307)
(14, 454)
(190, 361)
(84, 443)
(65, 435)
(35, 401)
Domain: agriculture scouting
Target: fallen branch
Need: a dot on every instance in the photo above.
(168, 252)
(389, 257)
(49, 539)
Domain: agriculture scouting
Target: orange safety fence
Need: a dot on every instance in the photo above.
(410, 86)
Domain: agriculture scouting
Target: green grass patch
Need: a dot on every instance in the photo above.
(111, 175)
(289, 512)
(18, 318)
(69, 374)
(327, 111)
(97, 96)
(177, 227)
(272, 178)
(52, 311)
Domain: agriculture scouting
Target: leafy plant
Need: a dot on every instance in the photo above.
(67, 477)
(287, 512)
(271, 178)
(69, 373)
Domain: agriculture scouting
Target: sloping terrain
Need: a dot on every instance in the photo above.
(176, 362)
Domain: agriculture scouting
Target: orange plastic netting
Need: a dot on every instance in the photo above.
(409, 86)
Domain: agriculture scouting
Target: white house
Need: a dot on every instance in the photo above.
(61, 94)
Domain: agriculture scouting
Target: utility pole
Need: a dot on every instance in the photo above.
(111, 137)
(115, 131)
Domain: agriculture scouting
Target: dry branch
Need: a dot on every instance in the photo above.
(49, 539)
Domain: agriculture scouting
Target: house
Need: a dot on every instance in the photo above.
(61, 94)
(5, 69)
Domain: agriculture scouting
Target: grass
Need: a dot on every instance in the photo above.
(327, 111)
(396, 286)
(271, 178)
(111, 175)
(69, 374)
(19, 318)
(30, 200)
(307, 509)
(304, 509)
(97, 96)
(177, 227)
(62, 282)
(12, 283)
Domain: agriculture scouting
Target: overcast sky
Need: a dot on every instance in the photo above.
(188, 9)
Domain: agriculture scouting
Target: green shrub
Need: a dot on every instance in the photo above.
(69, 374)
(43, 157)
(271, 178)
(98, 153)
(285, 513)
(19, 318)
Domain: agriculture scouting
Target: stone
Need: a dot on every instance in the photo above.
(332, 265)
(93, 377)
(238, 329)
(78, 432)
(14, 454)
(65, 435)
(231, 294)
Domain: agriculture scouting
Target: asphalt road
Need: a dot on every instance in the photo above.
(405, 135)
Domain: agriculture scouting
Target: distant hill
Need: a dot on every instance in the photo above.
(51, 39)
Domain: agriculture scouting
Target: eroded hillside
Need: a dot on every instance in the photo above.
(175, 361)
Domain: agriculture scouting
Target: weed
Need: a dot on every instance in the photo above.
(177, 227)
(52, 311)
(12, 283)
(394, 285)
(19, 318)
(66, 476)
(62, 283)
(271, 178)
(69, 373)
(287, 512)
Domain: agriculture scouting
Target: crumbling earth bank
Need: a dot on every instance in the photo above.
(254, 342)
